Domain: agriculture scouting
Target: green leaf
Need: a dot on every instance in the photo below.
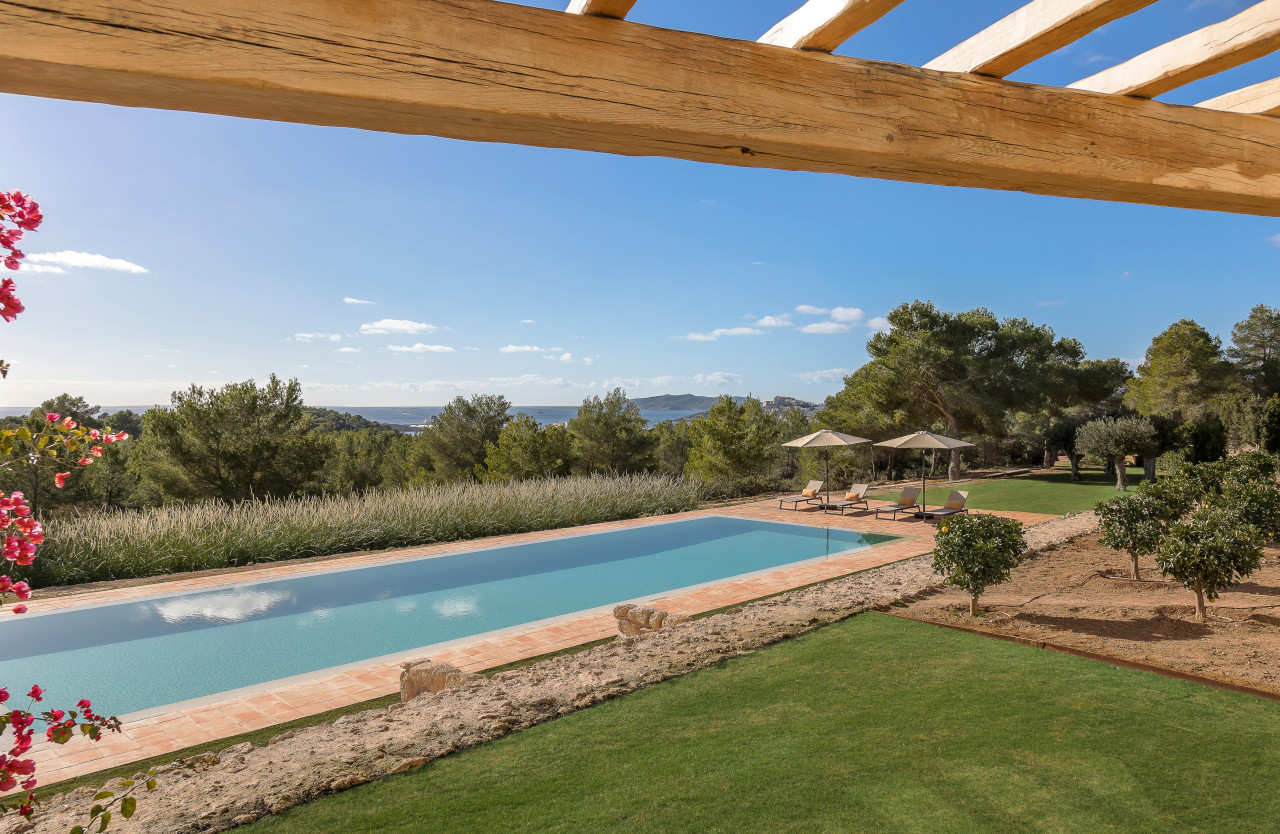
(151, 783)
(24, 433)
(106, 818)
(94, 811)
(103, 795)
(127, 806)
(79, 829)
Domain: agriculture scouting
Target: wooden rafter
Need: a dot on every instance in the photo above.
(822, 25)
(1030, 33)
(1251, 34)
(1258, 98)
(487, 71)
(617, 9)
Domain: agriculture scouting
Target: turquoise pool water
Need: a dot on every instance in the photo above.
(159, 650)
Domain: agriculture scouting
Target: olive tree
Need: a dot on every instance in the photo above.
(1112, 438)
(975, 552)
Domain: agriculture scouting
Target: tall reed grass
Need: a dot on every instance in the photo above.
(91, 548)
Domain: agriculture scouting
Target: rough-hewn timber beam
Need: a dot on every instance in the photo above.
(601, 8)
(823, 25)
(487, 71)
(1030, 33)
(1258, 98)
(1251, 34)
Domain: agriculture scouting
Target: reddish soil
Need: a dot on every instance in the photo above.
(1079, 594)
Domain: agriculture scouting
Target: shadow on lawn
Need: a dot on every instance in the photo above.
(1088, 477)
(1147, 630)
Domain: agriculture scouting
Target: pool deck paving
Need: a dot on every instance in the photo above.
(166, 730)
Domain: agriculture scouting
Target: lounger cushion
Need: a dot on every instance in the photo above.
(810, 493)
(955, 504)
(853, 496)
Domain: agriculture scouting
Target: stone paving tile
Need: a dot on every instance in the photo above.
(165, 733)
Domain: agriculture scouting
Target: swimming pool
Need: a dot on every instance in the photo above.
(169, 648)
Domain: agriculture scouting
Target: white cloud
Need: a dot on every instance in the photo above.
(810, 310)
(315, 337)
(471, 348)
(625, 383)
(719, 379)
(527, 349)
(85, 259)
(39, 268)
(824, 377)
(826, 327)
(384, 327)
(663, 381)
(587, 360)
(348, 350)
(527, 321)
(350, 300)
(879, 324)
(564, 357)
(722, 331)
(773, 321)
(529, 380)
(847, 314)
(1274, 240)
(419, 348)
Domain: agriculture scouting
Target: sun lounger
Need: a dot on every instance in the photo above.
(809, 496)
(855, 498)
(906, 503)
(954, 505)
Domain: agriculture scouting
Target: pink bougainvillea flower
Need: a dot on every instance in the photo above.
(60, 479)
(20, 608)
(96, 451)
(68, 423)
(22, 590)
(85, 461)
(36, 692)
(52, 417)
(4, 694)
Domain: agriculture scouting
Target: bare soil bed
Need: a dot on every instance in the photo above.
(1078, 594)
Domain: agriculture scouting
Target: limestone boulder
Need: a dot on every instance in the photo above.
(430, 676)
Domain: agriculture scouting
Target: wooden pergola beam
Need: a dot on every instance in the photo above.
(617, 9)
(1257, 98)
(1251, 34)
(822, 25)
(492, 72)
(1030, 33)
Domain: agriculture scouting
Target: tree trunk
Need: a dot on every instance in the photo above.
(1200, 615)
(1149, 468)
(1050, 456)
(1122, 475)
(1134, 557)
(973, 605)
(953, 471)
(1075, 466)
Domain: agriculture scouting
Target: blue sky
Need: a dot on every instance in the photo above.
(549, 275)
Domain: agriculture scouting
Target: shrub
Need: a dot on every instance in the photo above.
(977, 551)
(211, 535)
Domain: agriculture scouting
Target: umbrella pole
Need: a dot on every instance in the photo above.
(923, 505)
(826, 471)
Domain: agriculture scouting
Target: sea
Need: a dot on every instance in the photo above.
(412, 418)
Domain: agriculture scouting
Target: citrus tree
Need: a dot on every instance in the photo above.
(975, 552)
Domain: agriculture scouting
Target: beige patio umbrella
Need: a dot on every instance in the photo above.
(923, 440)
(825, 439)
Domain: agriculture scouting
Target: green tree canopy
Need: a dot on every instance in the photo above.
(527, 450)
(234, 443)
(1183, 375)
(610, 435)
(975, 552)
(734, 442)
(1255, 349)
(457, 438)
(966, 369)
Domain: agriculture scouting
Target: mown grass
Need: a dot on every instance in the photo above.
(1049, 491)
(873, 724)
(203, 536)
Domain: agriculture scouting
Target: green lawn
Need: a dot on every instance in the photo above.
(1051, 491)
(873, 724)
